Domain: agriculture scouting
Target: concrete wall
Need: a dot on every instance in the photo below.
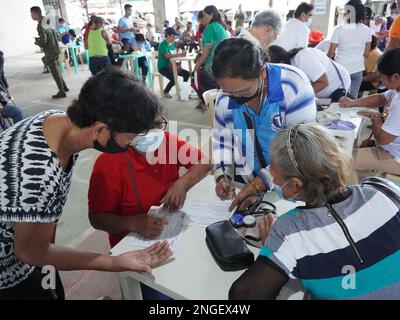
(325, 22)
(17, 29)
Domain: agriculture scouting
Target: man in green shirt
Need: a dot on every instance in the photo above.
(166, 51)
(48, 42)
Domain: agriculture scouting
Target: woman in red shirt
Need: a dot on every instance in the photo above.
(123, 187)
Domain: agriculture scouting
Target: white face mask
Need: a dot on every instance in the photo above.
(309, 23)
(150, 142)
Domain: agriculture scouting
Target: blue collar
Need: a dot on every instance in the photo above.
(275, 92)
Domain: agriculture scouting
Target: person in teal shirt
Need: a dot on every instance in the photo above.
(214, 33)
(166, 51)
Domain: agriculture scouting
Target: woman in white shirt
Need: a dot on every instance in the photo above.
(385, 156)
(296, 31)
(351, 43)
(326, 76)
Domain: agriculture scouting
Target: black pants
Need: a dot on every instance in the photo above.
(167, 72)
(205, 82)
(142, 61)
(31, 289)
(190, 46)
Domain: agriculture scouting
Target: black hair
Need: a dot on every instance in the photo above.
(200, 15)
(72, 33)
(368, 13)
(117, 99)
(389, 62)
(139, 37)
(374, 42)
(37, 10)
(228, 23)
(290, 15)
(393, 6)
(359, 11)
(61, 20)
(237, 58)
(127, 6)
(303, 7)
(278, 55)
(212, 10)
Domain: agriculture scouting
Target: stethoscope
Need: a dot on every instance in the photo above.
(247, 217)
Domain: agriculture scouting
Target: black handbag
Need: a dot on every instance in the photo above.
(228, 250)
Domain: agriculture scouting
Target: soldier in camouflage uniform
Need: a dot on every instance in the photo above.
(48, 41)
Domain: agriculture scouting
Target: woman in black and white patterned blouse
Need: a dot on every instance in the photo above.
(37, 157)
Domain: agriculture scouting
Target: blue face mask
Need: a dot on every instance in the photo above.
(278, 189)
(150, 142)
(279, 192)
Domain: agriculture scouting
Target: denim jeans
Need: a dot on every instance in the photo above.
(356, 79)
(96, 64)
(13, 112)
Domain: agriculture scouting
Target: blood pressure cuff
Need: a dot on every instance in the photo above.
(229, 251)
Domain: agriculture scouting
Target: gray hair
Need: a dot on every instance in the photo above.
(267, 18)
(321, 165)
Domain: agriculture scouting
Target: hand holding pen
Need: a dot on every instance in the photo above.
(225, 188)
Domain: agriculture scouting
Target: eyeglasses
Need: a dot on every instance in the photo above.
(161, 124)
(247, 95)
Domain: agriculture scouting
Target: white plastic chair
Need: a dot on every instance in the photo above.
(155, 73)
(209, 98)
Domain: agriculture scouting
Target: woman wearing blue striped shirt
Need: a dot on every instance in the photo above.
(256, 97)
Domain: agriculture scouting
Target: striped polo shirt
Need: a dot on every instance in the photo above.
(290, 100)
(308, 244)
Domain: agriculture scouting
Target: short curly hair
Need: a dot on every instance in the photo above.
(116, 99)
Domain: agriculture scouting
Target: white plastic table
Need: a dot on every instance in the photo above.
(347, 138)
(192, 273)
(190, 58)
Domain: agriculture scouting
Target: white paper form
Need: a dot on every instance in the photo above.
(172, 232)
(200, 213)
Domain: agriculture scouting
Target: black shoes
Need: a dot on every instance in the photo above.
(59, 95)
